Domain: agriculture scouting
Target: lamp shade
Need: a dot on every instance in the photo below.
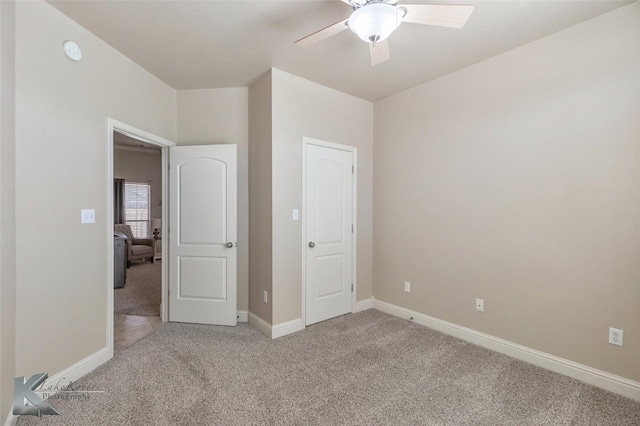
(374, 22)
(156, 223)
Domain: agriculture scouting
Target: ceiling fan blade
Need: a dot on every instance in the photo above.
(323, 33)
(442, 15)
(379, 53)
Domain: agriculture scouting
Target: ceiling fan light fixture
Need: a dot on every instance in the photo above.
(375, 22)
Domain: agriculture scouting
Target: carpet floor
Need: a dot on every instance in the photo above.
(359, 369)
(141, 293)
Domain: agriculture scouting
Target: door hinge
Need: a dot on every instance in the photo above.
(353, 169)
(351, 287)
(352, 229)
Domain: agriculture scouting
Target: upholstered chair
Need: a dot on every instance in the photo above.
(138, 248)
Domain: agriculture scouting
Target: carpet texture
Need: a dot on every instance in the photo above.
(141, 293)
(360, 369)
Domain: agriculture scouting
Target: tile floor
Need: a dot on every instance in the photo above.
(128, 329)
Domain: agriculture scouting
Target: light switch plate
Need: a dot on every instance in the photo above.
(296, 214)
(88, 216)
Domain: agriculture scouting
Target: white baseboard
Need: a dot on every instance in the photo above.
(275, 331)
(11, 419)
(363, 305)
(586, 374)
(285, 328)
(282, 329)
(262, 326)
(79, 369)
(70, 375)
(243, 316)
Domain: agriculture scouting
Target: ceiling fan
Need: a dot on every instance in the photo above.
(374, 20)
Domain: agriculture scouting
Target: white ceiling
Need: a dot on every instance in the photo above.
(214, 44)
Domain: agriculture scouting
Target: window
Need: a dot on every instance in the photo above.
(137, 203)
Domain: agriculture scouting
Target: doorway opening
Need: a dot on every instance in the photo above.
(137, 277)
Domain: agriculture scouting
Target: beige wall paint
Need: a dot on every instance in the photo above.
(303, 108)
(260, 200)
(7, 208)
(516, 180)
(61, 149)
(220, 116)
(141, 167)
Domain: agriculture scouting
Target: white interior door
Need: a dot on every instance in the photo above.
(202, 234)
(329, 232)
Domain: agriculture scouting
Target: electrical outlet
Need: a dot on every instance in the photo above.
(615, 336)
(407, 286)
(265, 296)
(480, 305)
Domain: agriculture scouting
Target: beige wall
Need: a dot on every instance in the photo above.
(516, 180)
(220, 116)
(141, 167)
(303, 108)
(61, 148)
(7, 207)
(260, 200)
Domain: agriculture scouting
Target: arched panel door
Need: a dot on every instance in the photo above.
(329, 232)
(202, 234)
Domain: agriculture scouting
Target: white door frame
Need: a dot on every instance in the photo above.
(354, 241)
(164, 144)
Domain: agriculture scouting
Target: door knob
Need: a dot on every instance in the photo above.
(229, 244)
(312, 244)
